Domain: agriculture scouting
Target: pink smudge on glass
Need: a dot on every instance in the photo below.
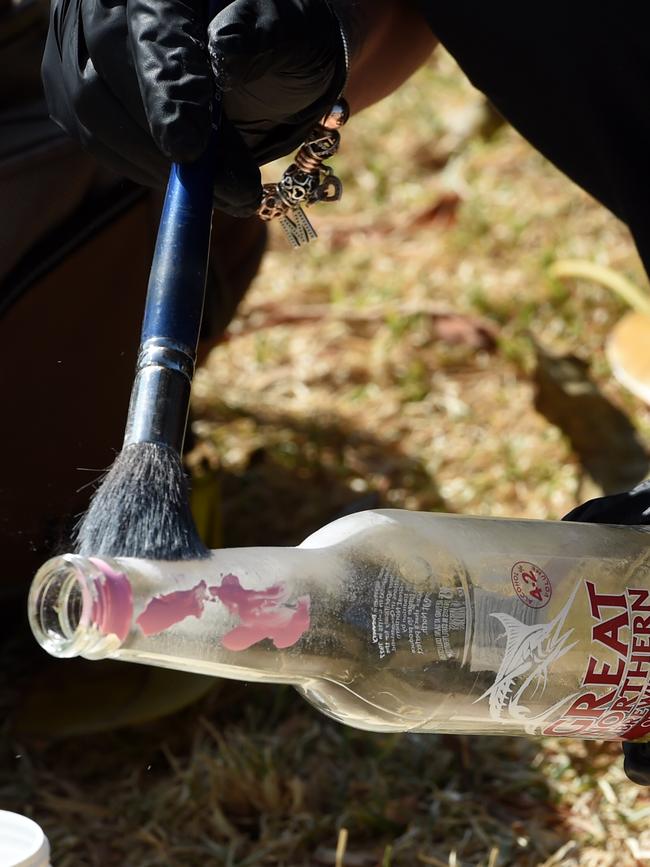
(112, 608)
(263, 614)
(166, 610)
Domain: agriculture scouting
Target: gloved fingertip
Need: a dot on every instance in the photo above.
(242, 211)
(238, 193)
(221, 75)
(238, 182)
(181, 151)
(637, 763)
(183, 138)
(231, 212)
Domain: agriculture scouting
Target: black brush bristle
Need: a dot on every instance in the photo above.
(141, 509)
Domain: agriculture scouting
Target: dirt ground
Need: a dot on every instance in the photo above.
(418, 356)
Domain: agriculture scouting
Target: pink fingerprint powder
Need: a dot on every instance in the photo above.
(262, 614)
(112, 609)
(164, 611)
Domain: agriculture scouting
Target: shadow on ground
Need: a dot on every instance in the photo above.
(297, 475)
(603, 438)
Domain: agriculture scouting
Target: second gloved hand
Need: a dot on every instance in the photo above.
(631, 507)
(133, 81)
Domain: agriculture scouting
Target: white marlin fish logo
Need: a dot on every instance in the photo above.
(530, 651)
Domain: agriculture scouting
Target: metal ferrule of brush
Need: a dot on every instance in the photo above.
(160, 397)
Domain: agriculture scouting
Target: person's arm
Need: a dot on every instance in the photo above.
(392, 41)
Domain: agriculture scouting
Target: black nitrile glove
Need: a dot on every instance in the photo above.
(133, 81)
(632, 507)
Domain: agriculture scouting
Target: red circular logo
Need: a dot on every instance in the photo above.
(532, 585)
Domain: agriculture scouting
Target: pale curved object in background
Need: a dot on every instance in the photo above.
(628, 353)
(580, 269)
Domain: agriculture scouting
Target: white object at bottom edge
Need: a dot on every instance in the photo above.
(22, 842)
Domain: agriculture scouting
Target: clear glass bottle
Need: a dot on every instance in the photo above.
(391, 621)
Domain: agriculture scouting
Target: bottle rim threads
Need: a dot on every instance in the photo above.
(80, 606)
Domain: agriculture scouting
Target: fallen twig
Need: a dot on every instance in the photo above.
(621, 286)
(451, 327)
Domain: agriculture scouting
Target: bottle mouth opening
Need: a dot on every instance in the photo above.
(65, 607)
(59, 602)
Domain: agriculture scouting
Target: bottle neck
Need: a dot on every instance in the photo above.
(98, 607)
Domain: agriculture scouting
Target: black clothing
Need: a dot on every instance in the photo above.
(573, 78)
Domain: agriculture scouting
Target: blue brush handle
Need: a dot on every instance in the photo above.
(176, 289)
(175, 295)
(174, 305)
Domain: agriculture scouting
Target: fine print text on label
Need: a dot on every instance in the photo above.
(426, 620)
(398, 612)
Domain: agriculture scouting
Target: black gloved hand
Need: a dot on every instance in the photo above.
(133, 80)
(632, 507)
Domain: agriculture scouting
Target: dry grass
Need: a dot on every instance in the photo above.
(378, 397)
